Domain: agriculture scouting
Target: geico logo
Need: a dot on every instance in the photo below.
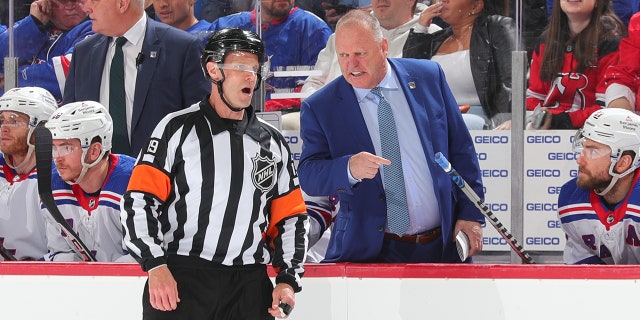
(295, 156)
(573, 173)
(543, 173)
(552, 224)
(562, 156)
(491, 139)
(482, 156)
(493, 241)
(554, 190)
(546, 241)
(484, 189)
(494, 173)
(544, 139)
(542, 206)
(291, 139)
(498, 206)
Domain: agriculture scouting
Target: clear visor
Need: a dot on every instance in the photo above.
(592, 150)
(63, 150)
(262, 71)
(13, 120)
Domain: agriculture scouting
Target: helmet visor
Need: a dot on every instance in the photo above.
(592, 150)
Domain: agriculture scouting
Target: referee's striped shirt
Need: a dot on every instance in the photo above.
(223, 191)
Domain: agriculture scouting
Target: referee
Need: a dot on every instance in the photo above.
(214, 197)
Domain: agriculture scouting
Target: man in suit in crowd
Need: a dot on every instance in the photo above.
(162, 73)
(427, 120)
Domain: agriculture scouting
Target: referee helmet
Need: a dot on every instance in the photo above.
(228, 40)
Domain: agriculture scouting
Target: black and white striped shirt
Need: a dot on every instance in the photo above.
(223, 191)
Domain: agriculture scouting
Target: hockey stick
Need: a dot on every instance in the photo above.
(6, 254)
(473, 196)
(43, 163)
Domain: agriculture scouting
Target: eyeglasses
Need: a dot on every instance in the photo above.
(12, 120)
(63, 150)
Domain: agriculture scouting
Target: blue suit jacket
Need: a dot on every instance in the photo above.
(333, 129)
(170, 77)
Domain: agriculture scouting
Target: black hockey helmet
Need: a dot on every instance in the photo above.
(232, 39)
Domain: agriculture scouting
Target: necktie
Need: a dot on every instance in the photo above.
(393, 180)
(117, 100)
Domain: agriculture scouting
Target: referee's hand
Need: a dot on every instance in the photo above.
(282, 293)
(163, 289)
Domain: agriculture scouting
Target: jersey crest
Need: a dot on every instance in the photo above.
(263, 173)
(567, 92)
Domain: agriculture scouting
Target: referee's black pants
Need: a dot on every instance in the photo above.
(215, 292)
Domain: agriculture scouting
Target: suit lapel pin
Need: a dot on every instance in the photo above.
(153, 54)
(412, 85)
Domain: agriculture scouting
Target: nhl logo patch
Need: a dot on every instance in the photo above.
(92, 203)
(263, 173)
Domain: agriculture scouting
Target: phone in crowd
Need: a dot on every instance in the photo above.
(540, 119)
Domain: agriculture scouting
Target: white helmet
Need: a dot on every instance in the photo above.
(85, 121)
(617, 128)
(35, 102)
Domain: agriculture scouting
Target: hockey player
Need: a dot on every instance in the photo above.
(214, 198)
(22, 230)
(87, 184)
(599, 210)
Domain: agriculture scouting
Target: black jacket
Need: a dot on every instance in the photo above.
(492, 41)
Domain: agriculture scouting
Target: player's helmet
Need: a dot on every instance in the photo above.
(228, 40)
(35, 102)
(617, 128)
(83, 120)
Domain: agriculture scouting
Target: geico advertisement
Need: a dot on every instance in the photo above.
(548, 162)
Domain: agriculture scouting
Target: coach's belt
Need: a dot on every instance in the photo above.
(421, 238)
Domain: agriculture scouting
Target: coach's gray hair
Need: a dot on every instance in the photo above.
(363, 18)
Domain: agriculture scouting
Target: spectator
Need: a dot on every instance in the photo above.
(242, 208)
(566, 80)
(335, 9)
(161, 71)
(624, 9)
(472, 35)
(361, 169)
(180, 14)
(22, 229)
(597, 209)
(623, 79)
(87, 184)
(396, 18)
(292, 37)
(313, 6)
(44, 41)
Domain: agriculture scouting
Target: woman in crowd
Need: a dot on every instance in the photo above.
(476, 43)
(567, 69)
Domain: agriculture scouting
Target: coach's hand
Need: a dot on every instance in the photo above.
(163, 289)
(365, 165)
(473, 230)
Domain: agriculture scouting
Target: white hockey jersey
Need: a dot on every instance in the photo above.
(596, 234)
(95, 218)
(22, 227)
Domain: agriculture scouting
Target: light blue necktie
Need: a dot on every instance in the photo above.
(393, 180)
